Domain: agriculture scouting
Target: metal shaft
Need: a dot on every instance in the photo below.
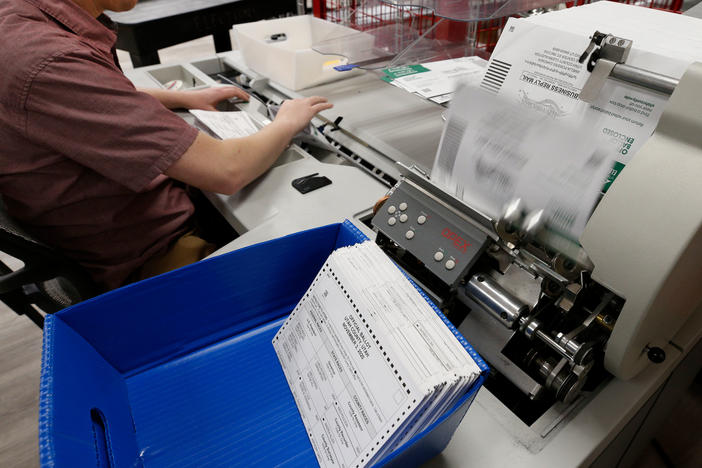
(553, 345)
(647, 79)
(531, 329)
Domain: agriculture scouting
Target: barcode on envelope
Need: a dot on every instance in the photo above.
(495, 75)
(455, 128)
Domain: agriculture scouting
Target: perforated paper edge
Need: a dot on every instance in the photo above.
(482, 365)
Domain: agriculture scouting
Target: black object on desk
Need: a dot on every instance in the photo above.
(155, 24)
(310, 182)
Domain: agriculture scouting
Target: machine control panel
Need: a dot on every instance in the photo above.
(447, 245)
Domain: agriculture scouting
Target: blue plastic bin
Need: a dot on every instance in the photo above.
(179, 370)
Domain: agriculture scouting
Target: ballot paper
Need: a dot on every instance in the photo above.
(664, 42)
(226, 124)
(536, 63)
(535, 69)
(494, 151)
(538, 66)
(437, 81)
(369, 362)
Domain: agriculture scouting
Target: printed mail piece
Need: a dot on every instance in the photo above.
(437, 80)
(529, 137)
(538, 67)
(226, 124)
(368, 360)
(494, 151)
(348, 393)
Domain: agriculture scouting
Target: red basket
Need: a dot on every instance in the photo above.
(356, 15)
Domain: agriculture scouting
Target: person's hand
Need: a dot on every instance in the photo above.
(207, 99)
(295, 114)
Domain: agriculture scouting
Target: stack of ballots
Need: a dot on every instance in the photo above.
(368, 360)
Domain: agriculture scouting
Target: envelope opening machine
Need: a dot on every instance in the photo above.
(551, 321)
(555, 324)
(562, 324)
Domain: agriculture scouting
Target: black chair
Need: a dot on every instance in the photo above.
(47, 281)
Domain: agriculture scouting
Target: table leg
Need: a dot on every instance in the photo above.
(143, 58)
(222, 41)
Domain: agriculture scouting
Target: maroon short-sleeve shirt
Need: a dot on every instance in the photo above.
(82, 152)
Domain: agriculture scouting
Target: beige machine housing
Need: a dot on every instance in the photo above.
(645, 237)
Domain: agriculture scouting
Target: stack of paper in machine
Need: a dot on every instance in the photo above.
(369, 361)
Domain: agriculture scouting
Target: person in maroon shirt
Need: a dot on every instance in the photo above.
(95, 167)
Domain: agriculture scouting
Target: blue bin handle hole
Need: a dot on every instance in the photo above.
(103, 447)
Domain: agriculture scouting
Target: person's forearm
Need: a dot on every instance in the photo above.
(226, 166)
(169, 98)
(253, 155)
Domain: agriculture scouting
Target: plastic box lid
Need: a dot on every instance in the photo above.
(179, 370)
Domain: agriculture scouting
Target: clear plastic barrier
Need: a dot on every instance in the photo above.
(386, 33)
(474, 10)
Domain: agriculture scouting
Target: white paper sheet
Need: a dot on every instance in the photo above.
(226, 124)
(426, 339)
(535, 66)
(444, 76)
(544, 73)
(663, 42)
(347, 393)
(535, 63)
(494, 151)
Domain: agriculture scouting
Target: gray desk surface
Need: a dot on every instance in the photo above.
(149, 10)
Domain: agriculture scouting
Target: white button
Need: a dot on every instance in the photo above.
(403, 206)
(450, 264)
(392, 221)
(438, 256)
(391, 209)
(403, 218)
(422, 219)
(409, 234)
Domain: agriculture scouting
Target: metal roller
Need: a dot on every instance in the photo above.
(502, 305)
